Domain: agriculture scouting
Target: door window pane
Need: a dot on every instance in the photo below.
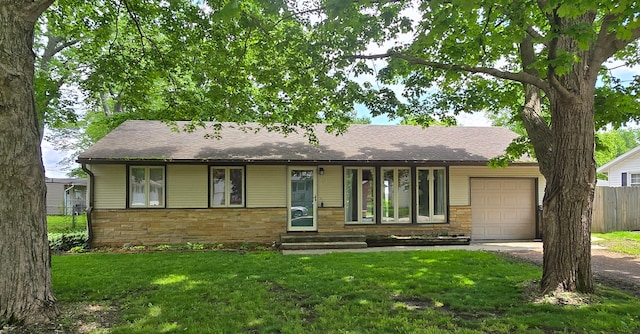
(388, 194)
(219, 180)
(368, 193)
(439, 196)
(403, 202)
(431, 193)
(156, 186)
(423, 196)
(137, 184)
(359, 195)
(235, 186)
(351, 195)
(302, 201)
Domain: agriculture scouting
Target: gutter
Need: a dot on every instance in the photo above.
(90, 206)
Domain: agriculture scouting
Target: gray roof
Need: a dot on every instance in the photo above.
(155, 140)
(73, 181)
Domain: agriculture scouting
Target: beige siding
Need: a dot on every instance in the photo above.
(110, 186)
(330, 187)
(459, 179)
(187, 186)
(266, 186)
(55, 198)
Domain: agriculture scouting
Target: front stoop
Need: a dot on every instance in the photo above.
(305, 241)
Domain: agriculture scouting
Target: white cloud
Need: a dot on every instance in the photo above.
(51, 159)
(473, 119)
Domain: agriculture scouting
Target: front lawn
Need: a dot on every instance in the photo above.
(267, 292)
(621, 242)
(60, 224)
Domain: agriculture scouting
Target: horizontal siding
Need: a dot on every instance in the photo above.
(55, 198)
(187, 186)
(330, 186)
(459, 179)
(630, 165)
(110, 186)
(266, 186)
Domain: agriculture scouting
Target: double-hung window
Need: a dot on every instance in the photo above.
(359, 192)
(634, 179)
(146, 187)
(396, 195)
(227, 186)
(431, 195)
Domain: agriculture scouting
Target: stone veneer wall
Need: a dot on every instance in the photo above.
(331, 220)
(179, 226)
(234, 225)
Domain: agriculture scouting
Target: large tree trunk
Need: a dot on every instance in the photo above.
(26, 293)
(568, 198)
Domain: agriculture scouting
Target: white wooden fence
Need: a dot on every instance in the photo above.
(616, 209)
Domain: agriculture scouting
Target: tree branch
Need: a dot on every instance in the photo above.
(136, 21)
(514, 76)
(34, 9)
(534, 33)
(608, 44)
(538, 130)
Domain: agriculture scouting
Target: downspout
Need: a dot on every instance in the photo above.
(90, 206)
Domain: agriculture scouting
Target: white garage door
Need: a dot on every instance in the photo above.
(502, 209)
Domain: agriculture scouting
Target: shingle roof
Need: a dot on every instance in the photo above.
(154, 140)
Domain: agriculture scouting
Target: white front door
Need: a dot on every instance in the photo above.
(302, 199)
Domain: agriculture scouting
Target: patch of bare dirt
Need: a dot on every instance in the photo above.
(75, 318)
(532, 293)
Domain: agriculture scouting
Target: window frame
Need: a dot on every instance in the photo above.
(227, 187)
(396, 195)
(630, 179)
(147, 179)
(431, 194)
(360, 195)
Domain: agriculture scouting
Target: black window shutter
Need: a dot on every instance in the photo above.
(624, 179)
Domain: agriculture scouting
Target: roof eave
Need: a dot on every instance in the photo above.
(291, 161)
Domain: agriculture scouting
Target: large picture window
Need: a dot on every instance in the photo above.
(431, 195)
(146, 186)
(227, 186)
(359, 194)
(396, 195)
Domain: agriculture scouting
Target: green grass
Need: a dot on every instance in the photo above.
(59, 224)
(381, 292)
(621, 242)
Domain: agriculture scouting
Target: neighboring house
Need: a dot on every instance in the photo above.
(151, 185)
(622, 171)
(66, 195)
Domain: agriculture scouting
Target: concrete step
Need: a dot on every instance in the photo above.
(323, 245)
(321, 237)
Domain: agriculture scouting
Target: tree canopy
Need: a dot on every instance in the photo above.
(542, 58)
(288, 64)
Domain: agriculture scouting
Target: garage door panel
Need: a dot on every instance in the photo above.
(493, 200)
(502, 208)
